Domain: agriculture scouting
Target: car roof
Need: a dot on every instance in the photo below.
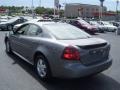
(41, 23)
(51, 23)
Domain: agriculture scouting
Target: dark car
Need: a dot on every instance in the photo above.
(84, 25)
(59, 50)
(117, 24)
(10, 23)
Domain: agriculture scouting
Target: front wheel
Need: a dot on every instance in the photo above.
(42, 68)
(8, 48)
(9, 27)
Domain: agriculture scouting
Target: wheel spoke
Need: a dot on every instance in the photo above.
(43, 72)
(41, 67)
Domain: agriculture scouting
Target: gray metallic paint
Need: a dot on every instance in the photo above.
(53, 49)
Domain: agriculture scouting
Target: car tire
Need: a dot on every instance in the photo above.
(8, 48)
(42, 68)
(102, 31)
(9, 27)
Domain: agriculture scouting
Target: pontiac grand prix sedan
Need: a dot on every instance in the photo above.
(59, 50)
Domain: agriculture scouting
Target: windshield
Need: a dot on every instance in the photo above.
(106, 23)
(83, 22)
(13, 20)
(66, 32)
(94, 23)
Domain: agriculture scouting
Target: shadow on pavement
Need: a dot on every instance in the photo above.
(98, 82)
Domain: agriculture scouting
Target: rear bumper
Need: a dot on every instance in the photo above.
(101, 30)
(112, 29)
(91, 31)
(77, 70)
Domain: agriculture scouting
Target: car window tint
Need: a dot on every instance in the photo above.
(33, 30)
(22, 30)
(66, 31)
(83, 22)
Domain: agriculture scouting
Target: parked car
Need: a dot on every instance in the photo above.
(3, 19)
(117, 24)
(108, 26)
(100, 28)
(10, 23)
(17, 26)
(84, 26)
(59, 50)
(33, 20)
(118, 31)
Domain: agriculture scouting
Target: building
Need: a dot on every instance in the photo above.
(83, 10)
(3, 11)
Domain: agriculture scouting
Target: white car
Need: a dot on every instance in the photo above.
(108, 26)
(4, 19)
(100, 27)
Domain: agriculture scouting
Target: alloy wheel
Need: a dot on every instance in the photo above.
(41, 68)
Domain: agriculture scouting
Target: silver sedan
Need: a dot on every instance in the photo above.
(59, 50)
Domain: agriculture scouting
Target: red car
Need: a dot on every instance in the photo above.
(84, 25)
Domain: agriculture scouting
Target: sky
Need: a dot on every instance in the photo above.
(110, 4)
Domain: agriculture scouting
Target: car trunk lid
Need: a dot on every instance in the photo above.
(92, 50)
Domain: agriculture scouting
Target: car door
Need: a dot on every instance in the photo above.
(15, 38)
(28, 41)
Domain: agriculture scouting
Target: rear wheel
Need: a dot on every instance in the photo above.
(42, 68)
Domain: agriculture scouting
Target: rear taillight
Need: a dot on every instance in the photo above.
(71, 53)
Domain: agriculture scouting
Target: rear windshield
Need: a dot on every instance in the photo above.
(94, 23)
(106, 23)
(66, 31)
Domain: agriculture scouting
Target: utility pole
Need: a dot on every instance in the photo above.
(56, 7)
(65, 2)
(117, 4)
(101, 9)
(54, 11)
(32, 7)
(40, 2)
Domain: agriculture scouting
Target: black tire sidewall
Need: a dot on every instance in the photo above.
(9, 26)
(48, 75)
(10, 51)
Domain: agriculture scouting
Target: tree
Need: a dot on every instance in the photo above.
(40, 10)
(13, 9)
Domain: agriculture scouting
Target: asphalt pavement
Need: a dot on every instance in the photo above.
(16, 74)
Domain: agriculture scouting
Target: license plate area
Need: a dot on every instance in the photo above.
(97, 52)
(95, 56)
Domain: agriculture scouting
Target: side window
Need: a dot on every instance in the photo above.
(19, 20)
(22, 30)
(33, 30)
(72, 22)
